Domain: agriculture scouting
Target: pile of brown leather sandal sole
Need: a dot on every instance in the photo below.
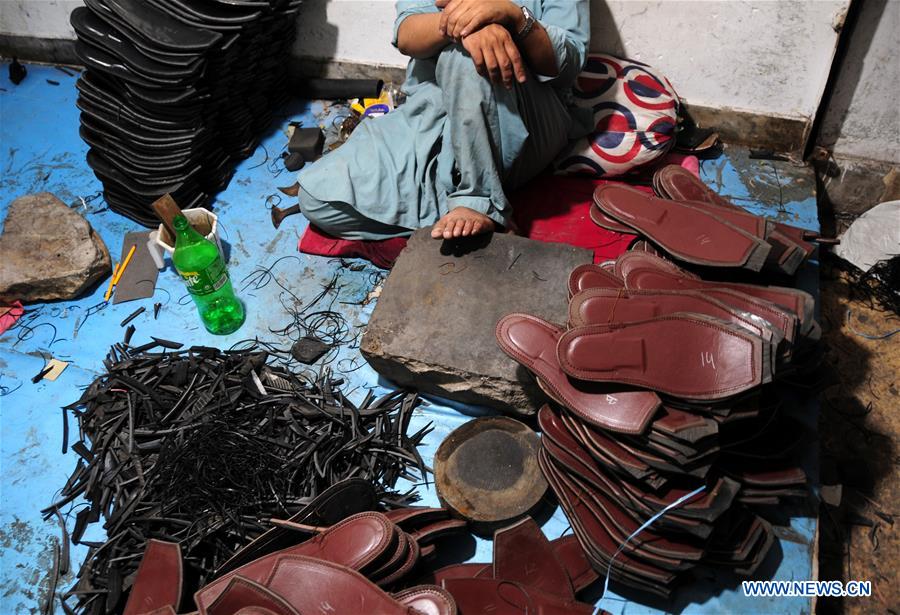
(345, 566)
(528, 569)
(664, 383)
(695, 225)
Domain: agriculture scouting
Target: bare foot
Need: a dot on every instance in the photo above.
(462, 222)
(291, 190)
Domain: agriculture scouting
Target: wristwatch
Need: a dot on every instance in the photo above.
(529, 24)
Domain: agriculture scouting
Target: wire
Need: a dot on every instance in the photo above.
(643, 527)
(882, 336)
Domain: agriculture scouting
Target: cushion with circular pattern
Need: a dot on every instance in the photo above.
(635, 114)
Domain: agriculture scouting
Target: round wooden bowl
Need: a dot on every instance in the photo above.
(487, 472)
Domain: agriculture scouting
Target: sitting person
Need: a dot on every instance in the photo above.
(487, 87)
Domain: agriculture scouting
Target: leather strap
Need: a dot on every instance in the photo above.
(503, 597)
(427, 600)
(333, 505)
(313, 585)
(158, 581)
(523, 554)
(566, 549)
(362, 541)
(242, 595)
(416, 516)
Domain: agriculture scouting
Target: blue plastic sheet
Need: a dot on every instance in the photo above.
(40, 150)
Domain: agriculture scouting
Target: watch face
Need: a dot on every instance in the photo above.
(529, 22)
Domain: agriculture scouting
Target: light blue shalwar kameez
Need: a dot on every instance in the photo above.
(458, 140)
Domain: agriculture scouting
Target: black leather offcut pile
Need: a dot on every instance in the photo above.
(199, 446)
(176, 92)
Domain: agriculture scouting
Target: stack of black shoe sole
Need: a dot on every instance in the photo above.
(176, 92)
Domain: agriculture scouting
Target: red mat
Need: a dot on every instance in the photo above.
(379, 253)
(556, 209)
(551, 208)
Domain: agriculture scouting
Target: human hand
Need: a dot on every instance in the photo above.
(460, 18)
(495, 55)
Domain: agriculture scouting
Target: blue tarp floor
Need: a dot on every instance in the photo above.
(42, 152)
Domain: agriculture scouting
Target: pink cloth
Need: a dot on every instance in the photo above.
(10, 317)
(688, 161)
(379, 253)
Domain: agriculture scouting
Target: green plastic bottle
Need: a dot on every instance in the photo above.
(198, 261)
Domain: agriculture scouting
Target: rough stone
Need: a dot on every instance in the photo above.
(48, 251)
(433, 326)
(859, 185)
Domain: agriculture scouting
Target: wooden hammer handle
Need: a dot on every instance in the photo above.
(166, 208)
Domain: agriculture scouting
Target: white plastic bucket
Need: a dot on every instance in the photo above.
(161, 241)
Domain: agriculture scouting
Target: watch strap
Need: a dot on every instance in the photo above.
(529, 24)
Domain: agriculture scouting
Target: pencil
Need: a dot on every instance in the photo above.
(124, 264)
(112, 281)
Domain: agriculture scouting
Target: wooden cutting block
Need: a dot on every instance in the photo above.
(486, 471)
(433, 326)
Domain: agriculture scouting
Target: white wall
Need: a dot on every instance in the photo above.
(769, 57)
(357, 31)
(863, 116)
(37, 18)
(764, 56)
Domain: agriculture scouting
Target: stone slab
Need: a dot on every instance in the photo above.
(48, 251)
(433, 326)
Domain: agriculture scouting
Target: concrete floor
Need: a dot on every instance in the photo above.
(40, 151)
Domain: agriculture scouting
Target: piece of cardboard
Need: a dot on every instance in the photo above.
(56, 368)
(139, 279)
